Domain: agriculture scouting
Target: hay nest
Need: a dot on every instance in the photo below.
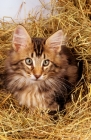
(17, 123)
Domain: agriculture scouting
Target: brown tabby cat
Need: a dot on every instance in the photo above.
(40, 73)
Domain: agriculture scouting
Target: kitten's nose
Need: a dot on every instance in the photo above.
(37, 76)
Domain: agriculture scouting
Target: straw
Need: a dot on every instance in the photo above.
(18, 123)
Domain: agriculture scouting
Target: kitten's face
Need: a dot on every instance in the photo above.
(34, 62)
(35, 59)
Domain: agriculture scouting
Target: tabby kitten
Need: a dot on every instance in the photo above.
(40, 73)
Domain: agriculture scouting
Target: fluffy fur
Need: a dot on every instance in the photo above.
(40, 73)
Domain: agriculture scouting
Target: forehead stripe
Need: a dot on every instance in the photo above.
(44, 56)
(38, 46)
(32, 55)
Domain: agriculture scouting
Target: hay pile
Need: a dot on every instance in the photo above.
(16, 123)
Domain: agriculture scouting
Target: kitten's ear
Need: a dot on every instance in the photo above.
(55, 41)
(20, 38)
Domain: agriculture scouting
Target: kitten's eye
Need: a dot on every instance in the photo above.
(28, 61)
(46, 62)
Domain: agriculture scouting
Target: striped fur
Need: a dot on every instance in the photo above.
(46, 83)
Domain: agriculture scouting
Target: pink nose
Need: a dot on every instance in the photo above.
(37, 76)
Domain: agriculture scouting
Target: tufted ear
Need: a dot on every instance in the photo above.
(55, 41)
(20, 38)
